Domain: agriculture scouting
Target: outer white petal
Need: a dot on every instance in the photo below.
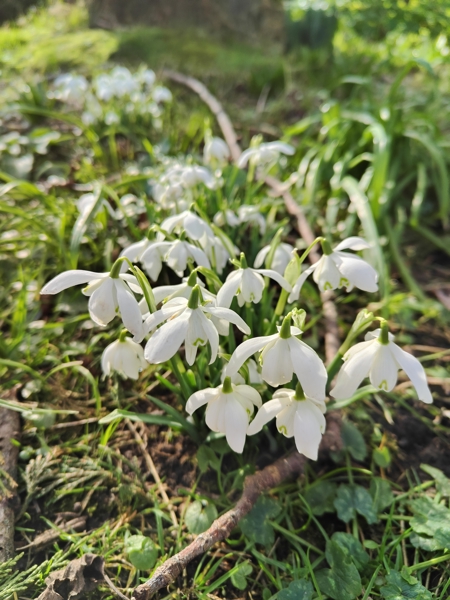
(200, 398)
(245, 157)
(107, 356)
(212, 335)
(245, 350)
(276, 363)
(358, 272)
(266, 413)
(230, 287)
(277, 277)
(309, 424)
(103, 303)
(415, 372)
(215, 413)
(170, 223)
(236, 424)
(177, 256)
(129, 310)
(293, 296)
(158, 317)
(261, 257)
(166, 341)
(162, 292)
(70, 278)
(326, 274)
(353, 371)
(353, 243)
(281, 147)
(286, 419)
(248, 393)
(134, 252)
(383, 372)
(357, 348)
(199, 256)
(375, 334)
(195, 336)
(309, 369)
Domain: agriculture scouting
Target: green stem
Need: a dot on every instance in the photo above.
(429, 563)
(178, 370)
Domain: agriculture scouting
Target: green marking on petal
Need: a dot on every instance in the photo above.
(327, 286)
(282, 429)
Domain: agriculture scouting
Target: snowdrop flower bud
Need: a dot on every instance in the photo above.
(379, 359)
(338, 269)
(216, 152)
(297, 416)
(281, 257)
(282, 355)
(247, 284)
(228, 410)
(124, 357)
(109, 294)
(265, 154)
(188, 321)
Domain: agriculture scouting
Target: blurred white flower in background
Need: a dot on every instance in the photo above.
(265, 154)
(216, 152)
(280, 260)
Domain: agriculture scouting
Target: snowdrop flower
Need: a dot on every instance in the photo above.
(297, 416)
(161, 94)
(187, 321)
(176, 254)
(281, 257)
(250, 214)
(86, 203)
(338, 269)
(216, 252)
(193, 175)
(283, 355)
(254, 376)
(228, 409)
(109, 294)
(182, 290)
(124, 357)
(264, 154)
(146, 77)
(379, 359)
(216, 152)
(226, 217)
(194, 226)
(70, 88)
(247, 284)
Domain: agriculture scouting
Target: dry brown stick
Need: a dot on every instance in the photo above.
(254, 485)
(9, 430)
(151, 467)
(332, 343)
(271, 476)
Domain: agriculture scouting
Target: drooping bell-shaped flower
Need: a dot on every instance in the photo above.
(124, 357)
(247, 284)
(282, 356)
(297, 416)
(280, 260)
(216, 152)
(188, 321)
(228, 410)
(109, 294)
(379, 359)
(265, 154)
(337, 269)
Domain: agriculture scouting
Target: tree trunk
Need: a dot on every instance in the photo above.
(246, 19)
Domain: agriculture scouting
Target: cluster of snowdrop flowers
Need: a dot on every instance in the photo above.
(197, 317)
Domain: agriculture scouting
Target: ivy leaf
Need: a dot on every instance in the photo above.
(141, 551)
(442, 482)
(199, 516)
(255, 526)
(398, 588)
(432, 521)
(239, 577)
(381, 493)
(342, 580)
(353, 441)
(206, 457)
(354, 547)
(297, 590)
(321, 496)
(352, 499)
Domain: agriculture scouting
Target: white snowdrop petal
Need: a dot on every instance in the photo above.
(227, 292)
(266, 413)
(276, 277)
(214, 413)
(285, 420)
(293, 296)
(245, 157)
(236, 424)
(166, 341)
(199, 256)
(200, 398)
(277, 364)
(245, 350)
(249, 393)
(353, 243)
(353, 371)
(129, 310)
(358, 272)
(383, 372)
(326, 274)
(415, 371)
(252, 286)
(309, 423)
(70, 278)
(261, 257)
(103, 302)
(309, 369)
(212, 336)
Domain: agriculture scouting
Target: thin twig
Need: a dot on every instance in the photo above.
(270, 477)
(151, 467)
(332, 343)
(9, 430)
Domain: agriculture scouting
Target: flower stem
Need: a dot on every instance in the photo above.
(326, 248)
(115, 270)
(194, 298)
(285, 331)
(178, 370)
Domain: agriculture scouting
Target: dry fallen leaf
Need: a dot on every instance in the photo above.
(80, 576)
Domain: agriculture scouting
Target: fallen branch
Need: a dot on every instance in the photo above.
(9, 430)
(332, 343)
(254, 485)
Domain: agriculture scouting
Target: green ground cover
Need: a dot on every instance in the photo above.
(368, 117)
